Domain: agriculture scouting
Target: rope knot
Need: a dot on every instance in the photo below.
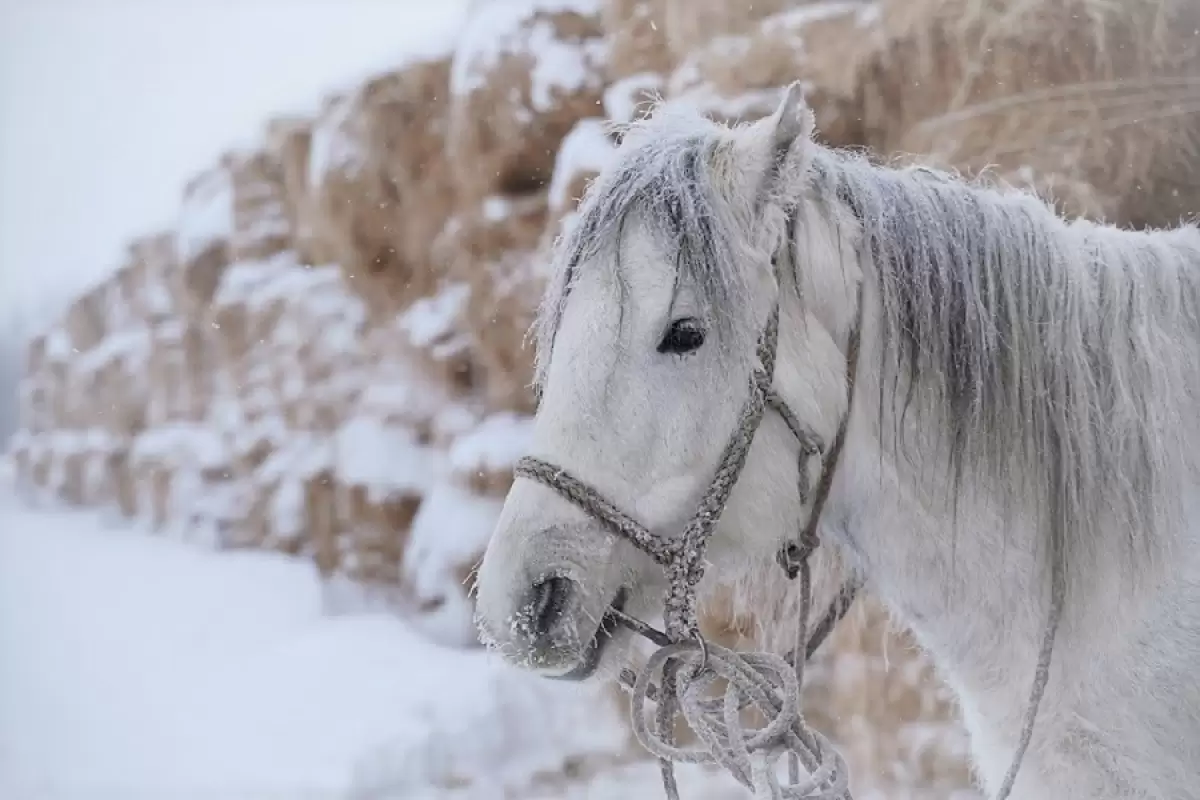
(687, 672)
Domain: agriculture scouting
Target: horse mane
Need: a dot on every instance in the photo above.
(1054, 359)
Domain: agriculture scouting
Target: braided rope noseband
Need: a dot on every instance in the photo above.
(689, 666)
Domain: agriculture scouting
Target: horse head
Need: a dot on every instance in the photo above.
(648, 340)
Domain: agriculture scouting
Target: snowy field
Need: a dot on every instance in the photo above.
(138, 667)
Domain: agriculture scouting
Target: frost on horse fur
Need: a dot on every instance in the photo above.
(1026, 396)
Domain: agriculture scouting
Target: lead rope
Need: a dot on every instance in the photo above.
(689, 665)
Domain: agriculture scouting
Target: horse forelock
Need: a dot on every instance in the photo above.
(666, 177)
(1055, 360)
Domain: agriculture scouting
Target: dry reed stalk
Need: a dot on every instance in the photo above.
(520, 80)
(1094, 102)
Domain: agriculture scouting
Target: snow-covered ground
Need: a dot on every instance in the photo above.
(137, 667)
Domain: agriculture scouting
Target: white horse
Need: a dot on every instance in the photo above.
(1025, 397)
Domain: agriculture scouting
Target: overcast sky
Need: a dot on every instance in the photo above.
(108, 106)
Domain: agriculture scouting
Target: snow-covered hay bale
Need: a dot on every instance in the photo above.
(204, 233)
(1084, 99)
(523, 73)
(289, 143)
(491, 250)
(636, 31)
(179, 372)
(112, 378)
(84, 320)
(691, 24)
(738, 76)
(584, 153)
(381, 182)
(261, 224)
(147, 276)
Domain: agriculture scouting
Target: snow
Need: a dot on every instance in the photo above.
(433, 320)
(144, 668)
(587, 148)
(58, 345)
(383, 458)
(131, 343)
(333, 150)
(496, 30)
(206, 215)
(496, 444)
(622, 97)
(796, 18)
(197, 446)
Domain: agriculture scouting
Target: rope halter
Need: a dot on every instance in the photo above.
(687, 664)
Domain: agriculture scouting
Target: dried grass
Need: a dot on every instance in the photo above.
(636, 31)
(738, 77)
(85, 320)
(289, 143)
(491, 249)
(261, 223)
(692, 24)
(1092, 100)
(381, 183)
(514, 103)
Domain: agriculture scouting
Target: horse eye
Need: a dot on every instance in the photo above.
(684, 336)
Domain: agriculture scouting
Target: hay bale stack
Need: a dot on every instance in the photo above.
(489, 252)
(171, 469)
(262, 323)
(1084, 99)
(692, 24)
(179, 373)
(35, 402)
(523, 73)
(382, 471)
(455, 521)
(381, 182)
(146, 278)
(738, 76)
(113, 377)
(636, 31)
(85, 320)
(204, 234)
(262, 226)
(289, 144)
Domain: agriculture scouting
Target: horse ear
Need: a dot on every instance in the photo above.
(791, 127)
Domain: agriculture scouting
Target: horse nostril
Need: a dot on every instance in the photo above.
(548, 601)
